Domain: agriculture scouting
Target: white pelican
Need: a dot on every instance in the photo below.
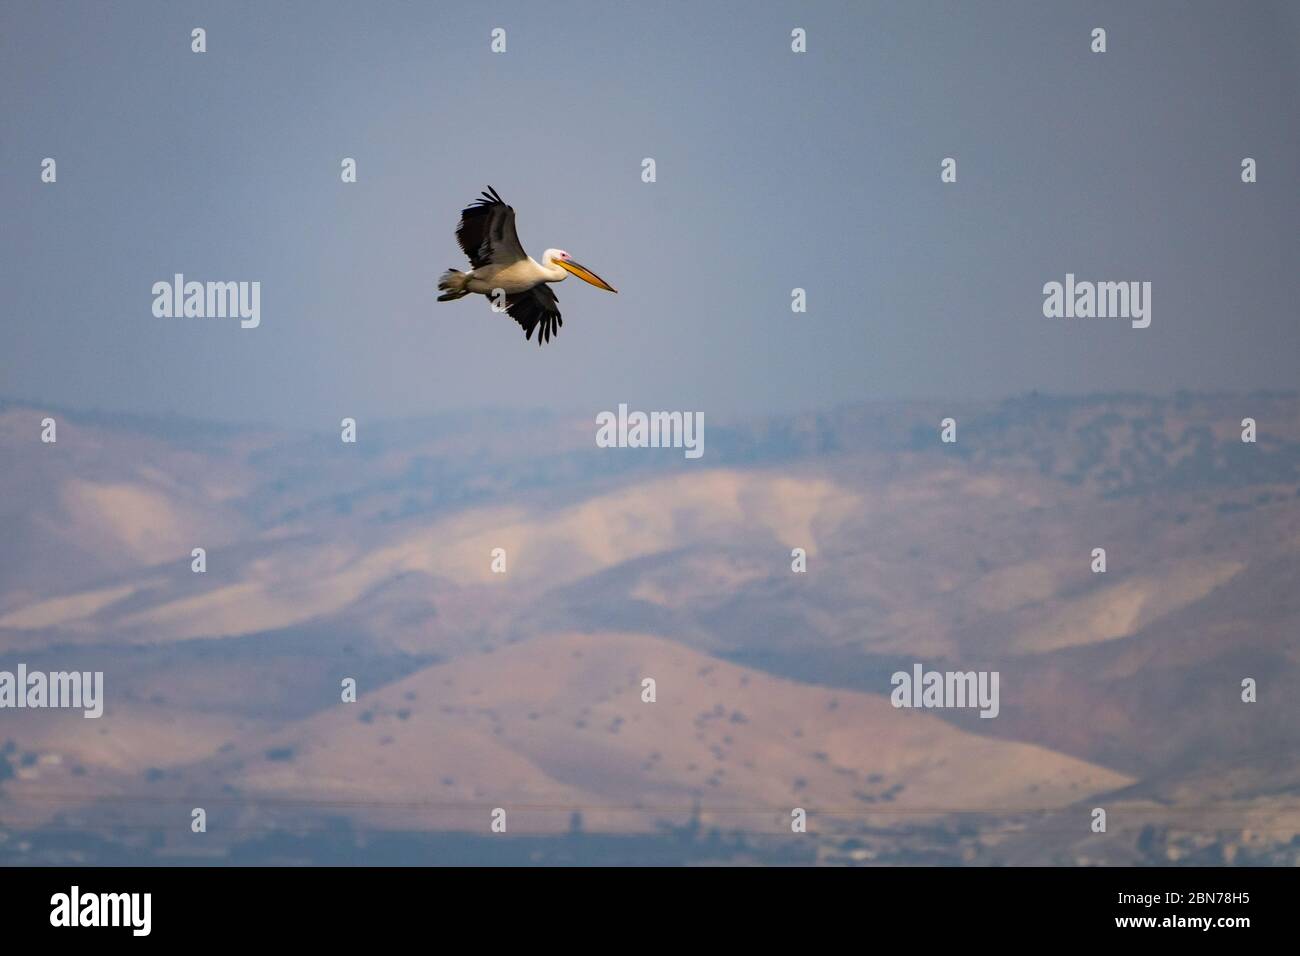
(487, 234)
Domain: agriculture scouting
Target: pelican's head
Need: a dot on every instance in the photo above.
(558, 257)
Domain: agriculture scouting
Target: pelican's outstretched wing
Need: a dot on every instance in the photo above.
(487, 232)
(539, 306)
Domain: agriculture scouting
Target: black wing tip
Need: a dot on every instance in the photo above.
(489, 197)
(535, 311)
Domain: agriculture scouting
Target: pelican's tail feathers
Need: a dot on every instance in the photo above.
(452, 284)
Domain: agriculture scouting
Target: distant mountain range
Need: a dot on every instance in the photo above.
(477, 690)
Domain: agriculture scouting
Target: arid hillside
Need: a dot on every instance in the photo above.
(513, 678)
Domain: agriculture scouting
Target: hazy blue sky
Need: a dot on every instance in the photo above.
(775, 170)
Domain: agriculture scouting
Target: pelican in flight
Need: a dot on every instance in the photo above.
(498, 262)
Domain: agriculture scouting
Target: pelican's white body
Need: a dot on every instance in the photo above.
(515, 277)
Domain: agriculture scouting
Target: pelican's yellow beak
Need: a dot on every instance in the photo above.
(583, 273)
